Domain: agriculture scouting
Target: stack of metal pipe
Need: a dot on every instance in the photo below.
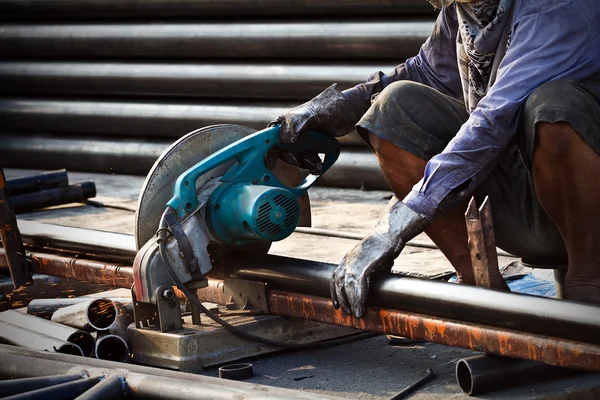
(80, 326)
(107, 85)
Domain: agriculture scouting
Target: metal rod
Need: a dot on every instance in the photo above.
(63, 391)
(20, 336)
(532, 314)
(145, 382)
(341, 40)
(207, 80)
(97, 314)
(112, 347)
(76, 193)
(116, 9)
(9, 387)
(44, 308)
(35, 183)
(500, 341)
(68, 334)
(405, 392)
(14, 255)
(112, 387)
(484, 373)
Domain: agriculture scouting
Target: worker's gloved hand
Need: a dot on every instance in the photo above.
(329, 112)
(349, 284)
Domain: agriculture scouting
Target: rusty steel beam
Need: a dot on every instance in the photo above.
(78, 269)
(503, 342)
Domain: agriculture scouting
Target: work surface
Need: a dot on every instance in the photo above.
(369, 369)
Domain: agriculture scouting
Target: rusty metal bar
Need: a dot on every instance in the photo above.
(482, 245)
(504, 342)
(14, 254)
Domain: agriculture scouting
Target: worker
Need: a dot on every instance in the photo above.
(501, 101)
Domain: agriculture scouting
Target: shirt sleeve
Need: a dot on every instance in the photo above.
(435, 66)
(549, 42)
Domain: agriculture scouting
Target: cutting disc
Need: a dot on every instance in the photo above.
(185, 153)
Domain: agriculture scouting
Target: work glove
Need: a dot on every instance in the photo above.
(329, 112)
(374, 254)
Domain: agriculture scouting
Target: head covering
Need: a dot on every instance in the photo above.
(483, 28)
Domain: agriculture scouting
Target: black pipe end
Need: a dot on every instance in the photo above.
(89, 189)
(464, 377)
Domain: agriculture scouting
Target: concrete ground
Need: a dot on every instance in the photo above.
(368, 369)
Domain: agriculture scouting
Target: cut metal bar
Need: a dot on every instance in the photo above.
(76, 193)
(9, 387)
(482, 246)
(84, 340)
(14, 254)
(112, 387)
(504, 342)
(35, 183)
(144, 382)
(208, 80)
(20, 336)
(135, 9)
(483, 373)
(81, 270)
(341, 40)
(63, 391)
(532, 314)
(112, 347)
(44, 308)
(94, 314)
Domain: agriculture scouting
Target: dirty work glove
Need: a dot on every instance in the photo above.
(349, 284)
(329, 112)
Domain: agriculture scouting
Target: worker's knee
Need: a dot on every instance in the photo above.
(401, 90)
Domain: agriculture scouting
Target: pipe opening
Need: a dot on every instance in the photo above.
(464, 377)
(85, 341)
(112, 348)
(101, 314)
(70, 348)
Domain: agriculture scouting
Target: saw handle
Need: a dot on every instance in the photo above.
(249, 154)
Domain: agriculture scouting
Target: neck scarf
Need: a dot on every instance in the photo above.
(483, 25)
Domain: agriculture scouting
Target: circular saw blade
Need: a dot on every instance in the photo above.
(185, 153)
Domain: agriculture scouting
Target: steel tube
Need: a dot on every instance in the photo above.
(123, 155)
(341, 40)
(94, 314)
(76, 193)
(35, 183)
(483, 373)
(41, 235)
(532, 314)
(18, 362)
(112, 387)
(63, 391)
(357, 169)
(20, 336)
(44, 308)
(84, 340)
(136, 9)
(112, 347)
(500, 341)
(11, 387)
(210, 80)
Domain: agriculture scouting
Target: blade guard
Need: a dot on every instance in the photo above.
(250, 156)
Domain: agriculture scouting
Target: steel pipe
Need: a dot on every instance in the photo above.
(340, 40)
(10, 387)
(145, 382)
(112, 387)
(76, 193)
(121, 156)
(62, 391)
(82, 339)
(93, 314)
(35, 183)
(45, 308)
(483, 373)
(19, 336)
(356, 169)
(136, 9)
(210, 81)
(112, 347)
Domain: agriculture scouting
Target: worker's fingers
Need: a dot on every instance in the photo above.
(332, 293)
(340, 290)
(356, 291)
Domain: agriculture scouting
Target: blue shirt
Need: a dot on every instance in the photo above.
(550, 40)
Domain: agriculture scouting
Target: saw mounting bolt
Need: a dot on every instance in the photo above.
(168, 294)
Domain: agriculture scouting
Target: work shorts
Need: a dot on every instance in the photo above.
(422, 120)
